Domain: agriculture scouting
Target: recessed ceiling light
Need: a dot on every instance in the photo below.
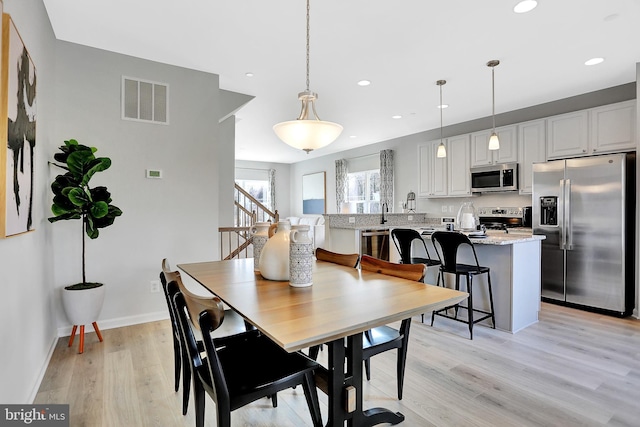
(248, 74)
(443, 106)
(525, 6)
(594, 61)
(396, 117)
(352, 136)
(364, 82)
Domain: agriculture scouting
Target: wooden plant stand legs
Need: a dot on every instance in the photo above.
(73, 335)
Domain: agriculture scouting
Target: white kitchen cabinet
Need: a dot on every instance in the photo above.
(508, 152)
(432, 171)
(568, 135)
(613, 128)
(532, 148)
(458, 164)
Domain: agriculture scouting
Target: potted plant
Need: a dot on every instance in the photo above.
(73, 199)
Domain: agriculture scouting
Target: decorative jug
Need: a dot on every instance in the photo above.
(467, 219)
(259, 234)
(274, 258)
(300, 257)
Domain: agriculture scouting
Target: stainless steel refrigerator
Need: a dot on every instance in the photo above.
(586, 209)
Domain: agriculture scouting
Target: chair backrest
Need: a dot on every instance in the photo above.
(403, 239)
(195, 303)
(167, 276)
(209, 322)
(449, 243)
(349, 260)
(406, 271)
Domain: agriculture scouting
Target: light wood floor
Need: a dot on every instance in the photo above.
(572, 368)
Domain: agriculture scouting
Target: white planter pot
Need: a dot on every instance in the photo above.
(83, 306)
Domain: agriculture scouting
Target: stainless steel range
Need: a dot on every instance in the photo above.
(500, 218)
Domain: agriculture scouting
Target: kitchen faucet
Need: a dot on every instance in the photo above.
(384, 208)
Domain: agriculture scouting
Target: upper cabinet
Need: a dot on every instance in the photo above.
(613, 127)
(567, 134)
(432, 171)
(508, 152)
(532, 149)
(605, 129)
(458, 164)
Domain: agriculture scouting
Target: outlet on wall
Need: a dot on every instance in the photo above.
(155, 286)
(444, 208)
(352, 220)
(410, 218)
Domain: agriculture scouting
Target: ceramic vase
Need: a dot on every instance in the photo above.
(260, 235)
(274, 258)
(300, 257)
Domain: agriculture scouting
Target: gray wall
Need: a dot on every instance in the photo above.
(78, 96)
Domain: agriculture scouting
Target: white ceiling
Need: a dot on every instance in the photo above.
(403, 47)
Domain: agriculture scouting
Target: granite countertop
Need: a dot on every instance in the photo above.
(501, 238)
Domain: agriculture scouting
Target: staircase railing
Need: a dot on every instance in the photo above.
(235, 242)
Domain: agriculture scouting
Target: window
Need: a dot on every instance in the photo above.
(258, 189)
(364, 191)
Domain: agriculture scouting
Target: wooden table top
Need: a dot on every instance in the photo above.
(342, 301)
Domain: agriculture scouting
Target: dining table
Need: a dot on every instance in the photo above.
(341, 303)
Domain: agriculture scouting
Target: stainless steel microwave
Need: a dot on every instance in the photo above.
(500, 177)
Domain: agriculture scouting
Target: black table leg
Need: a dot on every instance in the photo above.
(345, 369)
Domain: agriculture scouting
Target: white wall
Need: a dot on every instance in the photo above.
(78, 96)
(27, 320)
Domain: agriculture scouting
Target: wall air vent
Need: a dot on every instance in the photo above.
(145, 101)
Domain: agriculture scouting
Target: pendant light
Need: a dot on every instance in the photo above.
(307, 133)
(494, 142)
(442, 150)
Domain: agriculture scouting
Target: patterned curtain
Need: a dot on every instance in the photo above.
(341, 183)
(272, 189)
(386, 178)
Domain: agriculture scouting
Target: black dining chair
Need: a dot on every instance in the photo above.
(239, 369)
(450, 243)
(384, 338)
(197, 303)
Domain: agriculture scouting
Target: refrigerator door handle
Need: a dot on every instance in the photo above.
(562, 241)
(567, 215)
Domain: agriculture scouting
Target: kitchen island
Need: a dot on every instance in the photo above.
(514, 260)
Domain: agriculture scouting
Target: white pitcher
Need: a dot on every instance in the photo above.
(259, 234)
(300, 257)
(274, 258)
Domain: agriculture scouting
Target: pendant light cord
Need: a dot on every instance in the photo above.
(441, 108)
(308, 8)
(493, 96)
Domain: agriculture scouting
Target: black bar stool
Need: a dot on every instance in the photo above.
(403, 239)
(449, 243)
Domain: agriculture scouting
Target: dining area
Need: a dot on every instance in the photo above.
(341, 309)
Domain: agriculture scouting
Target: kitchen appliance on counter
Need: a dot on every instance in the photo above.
(500, 177)
(501, 218)
(586, 209)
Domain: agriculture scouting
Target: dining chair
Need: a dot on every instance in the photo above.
(241, 368)
(383, 338)
(196, 303)
(349, 260)
(450, 243)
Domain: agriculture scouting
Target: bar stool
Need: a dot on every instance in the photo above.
(449, 243)
(403, 239)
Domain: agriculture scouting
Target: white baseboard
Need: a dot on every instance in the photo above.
(119, 322)
(43, 370)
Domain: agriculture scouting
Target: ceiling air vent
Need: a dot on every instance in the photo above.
(145, 101)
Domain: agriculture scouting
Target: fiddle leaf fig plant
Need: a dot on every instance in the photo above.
(73, 198)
